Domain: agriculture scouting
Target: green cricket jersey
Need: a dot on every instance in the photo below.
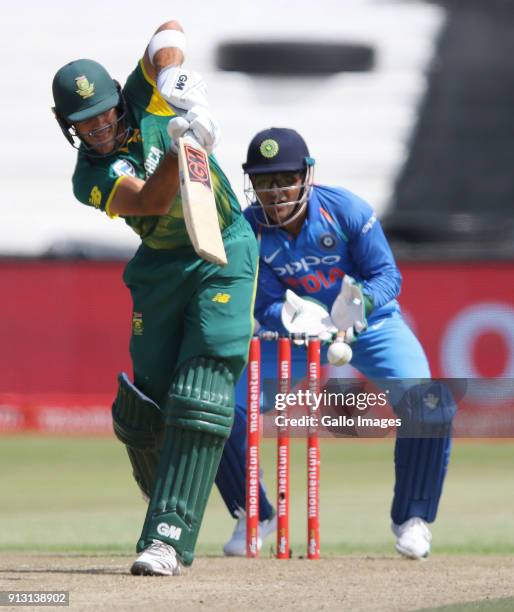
(95, 180)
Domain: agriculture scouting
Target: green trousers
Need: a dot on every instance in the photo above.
(184, 307)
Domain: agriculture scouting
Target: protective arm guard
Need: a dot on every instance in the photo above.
(199, 412)
(138, 423)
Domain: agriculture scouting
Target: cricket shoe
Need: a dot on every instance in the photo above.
(236, 546)
(412, 538)
(159, 559)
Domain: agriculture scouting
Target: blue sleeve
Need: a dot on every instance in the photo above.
(247, 214)
(250, 216)
(370, 251)
(269, 300)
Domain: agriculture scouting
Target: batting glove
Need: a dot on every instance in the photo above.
(199, 125)
(177, 127)
(204, 127)
(182, 89)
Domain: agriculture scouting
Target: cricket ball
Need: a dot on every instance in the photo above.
(339, 353)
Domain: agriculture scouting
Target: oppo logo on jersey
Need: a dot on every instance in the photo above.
(305, 263)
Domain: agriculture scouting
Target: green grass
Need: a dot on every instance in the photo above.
(77, 494)
(492, 605)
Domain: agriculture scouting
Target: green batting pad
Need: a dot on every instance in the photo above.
(199, 413)
(138, 423)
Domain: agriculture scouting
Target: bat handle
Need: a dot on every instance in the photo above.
(189, 137)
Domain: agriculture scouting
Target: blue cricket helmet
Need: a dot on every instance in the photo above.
(277, 150)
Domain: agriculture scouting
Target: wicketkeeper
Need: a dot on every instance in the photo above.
(326, 244)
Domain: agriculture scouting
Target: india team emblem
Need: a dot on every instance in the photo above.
(85, 89)
(269, 148)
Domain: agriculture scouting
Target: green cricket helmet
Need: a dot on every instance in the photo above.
(83, 89)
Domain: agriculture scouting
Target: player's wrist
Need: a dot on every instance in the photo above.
(367, 299)
(166, 39)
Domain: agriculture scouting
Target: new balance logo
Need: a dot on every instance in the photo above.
(221, 298)
(169, 531)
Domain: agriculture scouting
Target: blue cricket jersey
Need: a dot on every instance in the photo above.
(340, 235)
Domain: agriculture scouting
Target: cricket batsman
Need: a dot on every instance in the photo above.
(191, 319)
(325, 244)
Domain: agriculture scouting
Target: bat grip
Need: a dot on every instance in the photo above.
(189, 137)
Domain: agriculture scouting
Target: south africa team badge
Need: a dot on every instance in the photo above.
(137, 324)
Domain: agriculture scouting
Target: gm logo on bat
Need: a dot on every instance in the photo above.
(197, 166)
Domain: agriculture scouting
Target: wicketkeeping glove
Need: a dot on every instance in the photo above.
(348, 310)
(306, 317)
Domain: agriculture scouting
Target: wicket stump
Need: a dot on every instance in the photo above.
(283, 451)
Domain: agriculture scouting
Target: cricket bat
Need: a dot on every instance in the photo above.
(198, 203)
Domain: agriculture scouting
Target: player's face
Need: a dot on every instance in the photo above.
(275, 191)
(100, 132)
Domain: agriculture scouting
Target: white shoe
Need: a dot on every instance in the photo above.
(159, 559)
(413, 538)
(236, 546)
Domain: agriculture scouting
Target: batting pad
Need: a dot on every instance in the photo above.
(138, 423)
(422, 450)
(199, 412)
